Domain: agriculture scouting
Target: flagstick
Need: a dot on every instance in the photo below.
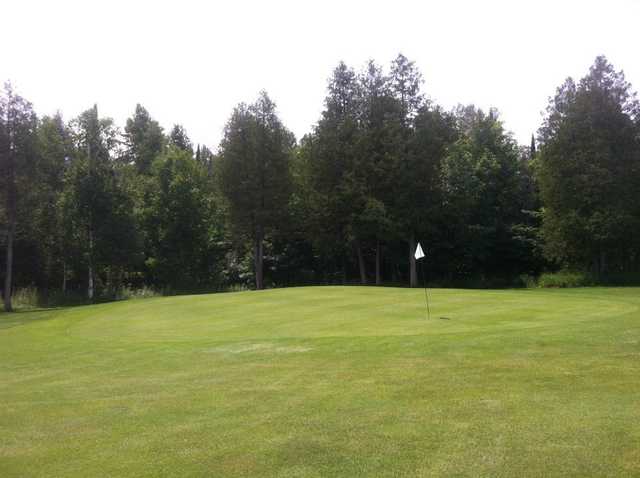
(426, 295)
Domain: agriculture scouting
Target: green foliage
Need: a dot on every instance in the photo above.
(564, 279)
(144, 139)
(100, 235)
(127, 293)
(254, 174)
(588, 173)
(485, 195)
(183, 224)
(26, 298)
(179, 139)
(94, 209)
(18, 124)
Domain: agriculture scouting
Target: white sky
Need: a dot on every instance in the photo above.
(190, 62)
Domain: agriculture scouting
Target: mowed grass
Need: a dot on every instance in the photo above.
(326, 381)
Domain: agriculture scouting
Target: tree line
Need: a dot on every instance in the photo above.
(89, 209)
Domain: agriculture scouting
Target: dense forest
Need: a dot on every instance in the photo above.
(90, 210)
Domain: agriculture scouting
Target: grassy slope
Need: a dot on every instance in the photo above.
(326, 382)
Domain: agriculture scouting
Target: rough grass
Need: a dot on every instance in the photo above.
(326, 381)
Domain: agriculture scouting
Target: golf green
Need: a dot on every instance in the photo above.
(326, 381)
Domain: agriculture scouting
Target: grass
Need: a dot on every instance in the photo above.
(328, 381)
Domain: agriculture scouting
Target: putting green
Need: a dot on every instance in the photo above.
(326, 381)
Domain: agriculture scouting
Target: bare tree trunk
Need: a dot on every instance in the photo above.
(9, 270)
(258, 257)
(11, 224)
(47, 278)
(90, 287)
(344, 268)
(413, 275)
(361, 264)
(378, 263)
(64, 277)
(603, 262)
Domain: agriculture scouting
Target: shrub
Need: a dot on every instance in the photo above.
(142, 293)
(25, 298)
(527, 281)
(565, 279)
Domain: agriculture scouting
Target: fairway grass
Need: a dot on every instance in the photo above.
(326, 381)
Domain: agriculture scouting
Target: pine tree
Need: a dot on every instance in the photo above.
(17, 143)
(254, 173)
(406, 82)
(337, 178)
(179, 139)
(54, 146)
(375, 149)
(588, 172)
(97, 211)
(532, 149)
(144, 139)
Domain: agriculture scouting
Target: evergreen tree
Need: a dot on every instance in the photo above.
(97, 212)
(337, 175)
(17, 147)
(532, 149)
(406, 82)
(144, 139)
(374, 162)
(54, 147)
(183, 230)
(254, 173)
(484, 198)
(179, 139)
(588, 172)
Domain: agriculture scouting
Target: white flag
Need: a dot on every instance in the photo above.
(419, 254)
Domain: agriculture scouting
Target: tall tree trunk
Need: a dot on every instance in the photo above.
(9, 270)
(64, 277)
(413, 275)
(11, 226)
(90, 286)
(361, 264)
(378, 263)
(258, 256)
(344, 268)
(603, 262)
(47, 278)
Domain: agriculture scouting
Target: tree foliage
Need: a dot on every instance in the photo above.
(89, 209)
(589, 172)
(254, 173)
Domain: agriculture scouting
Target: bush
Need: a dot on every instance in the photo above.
(142, 293)
(25, 298)
(234, 288)
(527, 281)
(620, 279)
(565, 279)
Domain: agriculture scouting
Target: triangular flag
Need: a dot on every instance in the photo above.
(419, 254)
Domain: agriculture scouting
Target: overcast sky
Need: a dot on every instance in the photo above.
(190, 62)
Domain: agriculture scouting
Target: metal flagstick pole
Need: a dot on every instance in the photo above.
(426, 294)
(420, 255)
